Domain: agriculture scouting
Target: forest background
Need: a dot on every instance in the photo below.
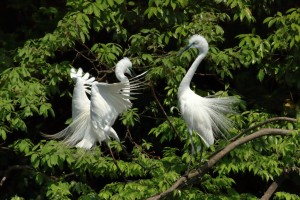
(253, 54)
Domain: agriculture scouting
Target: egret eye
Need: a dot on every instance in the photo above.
(195, 43)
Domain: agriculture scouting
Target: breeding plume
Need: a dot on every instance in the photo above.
(93, 119)
(203, 115)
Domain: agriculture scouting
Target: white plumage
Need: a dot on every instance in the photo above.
(80, 101)
(93, 119)
(204, 115)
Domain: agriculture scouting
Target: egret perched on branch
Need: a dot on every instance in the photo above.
(93, 119)
(203, 115)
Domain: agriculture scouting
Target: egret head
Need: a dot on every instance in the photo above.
(197, 41)
(124, 66)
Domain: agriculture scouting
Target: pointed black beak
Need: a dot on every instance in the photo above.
(132, 73)
(183, 50)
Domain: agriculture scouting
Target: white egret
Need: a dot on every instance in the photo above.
(93, 119)
(108, 101)
(203, 115)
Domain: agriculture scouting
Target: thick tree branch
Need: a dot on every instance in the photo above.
(255, 127)
(272, 188)
(213, 160)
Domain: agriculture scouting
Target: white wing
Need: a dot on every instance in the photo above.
(107, 102)
(80, 101)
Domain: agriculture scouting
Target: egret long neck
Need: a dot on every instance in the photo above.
(185, 83)
(122, 78)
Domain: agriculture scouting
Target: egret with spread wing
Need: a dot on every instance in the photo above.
(108, 101)
(93, 119)
(203, 115)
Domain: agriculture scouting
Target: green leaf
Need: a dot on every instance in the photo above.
(3, 134)
(39, 179)
(261, 75)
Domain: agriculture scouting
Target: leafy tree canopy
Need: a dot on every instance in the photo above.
(253, 54)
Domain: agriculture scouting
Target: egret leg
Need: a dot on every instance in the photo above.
(201, 150)
(192, 152)
(202, 147)
(192, 144)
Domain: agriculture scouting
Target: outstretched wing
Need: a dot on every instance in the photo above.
(107, 102)
(79, 74)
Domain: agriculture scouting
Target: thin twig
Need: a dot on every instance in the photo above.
(84, 56)
(162, 109)
(94, 55)
(198, 173)
(150, 117)
(115, 162)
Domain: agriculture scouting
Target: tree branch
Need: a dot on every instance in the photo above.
(7, 172)
(213, 160)
(276, 183)
(263, 123)
(256, 126)
(162, 109)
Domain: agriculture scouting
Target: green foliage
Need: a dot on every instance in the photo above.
(254, 53)
(58, 191)
(284, 195)
(130, 117)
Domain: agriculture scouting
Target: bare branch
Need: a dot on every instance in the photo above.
(256, 126)
(195, 174)
(79, 53)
